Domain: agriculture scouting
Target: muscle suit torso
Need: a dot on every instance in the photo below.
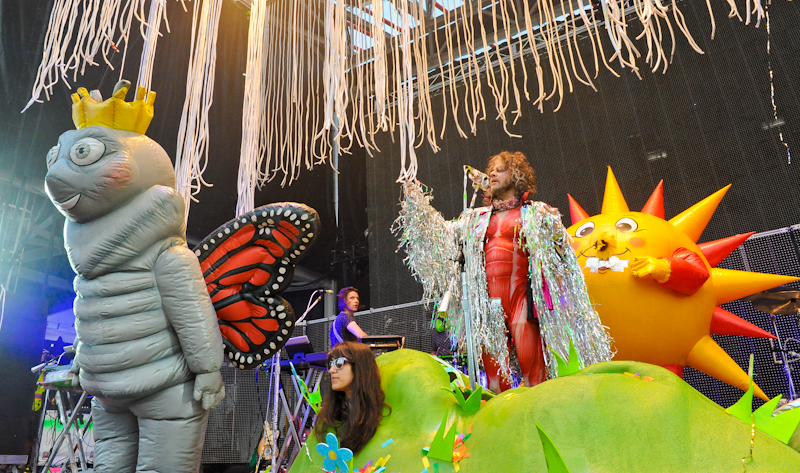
(507, 277)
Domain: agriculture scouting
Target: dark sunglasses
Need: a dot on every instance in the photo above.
(338, 363)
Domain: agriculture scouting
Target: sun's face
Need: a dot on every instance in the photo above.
(657, 290)
(625, 235)
(635, 308)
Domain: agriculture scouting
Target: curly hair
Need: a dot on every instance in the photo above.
(521, 172)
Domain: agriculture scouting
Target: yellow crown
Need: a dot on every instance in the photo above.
(89, 109)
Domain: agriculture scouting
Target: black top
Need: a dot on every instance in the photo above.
(339, 332)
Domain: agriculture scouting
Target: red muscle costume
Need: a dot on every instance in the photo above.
(507, 277)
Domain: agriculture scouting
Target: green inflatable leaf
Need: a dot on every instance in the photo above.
(442, 445)
(744, 406)
(564, 368)
(555, 463)
(472, 403)
(782, 426)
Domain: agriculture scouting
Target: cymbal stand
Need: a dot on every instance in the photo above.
(784, 361)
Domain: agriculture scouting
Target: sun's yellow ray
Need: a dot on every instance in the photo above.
(613, 200)
(730, 284)
(708, 357)
(693, 220)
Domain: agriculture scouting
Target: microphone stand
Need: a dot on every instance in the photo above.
(472, 365)
(310, 306)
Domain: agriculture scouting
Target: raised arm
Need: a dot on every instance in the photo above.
(430, 241)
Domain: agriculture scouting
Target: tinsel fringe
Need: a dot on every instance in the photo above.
(568, 312)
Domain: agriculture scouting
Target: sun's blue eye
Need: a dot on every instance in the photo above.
(87, 151)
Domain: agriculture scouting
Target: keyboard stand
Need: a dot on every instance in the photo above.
(298, 418)
(68, 419)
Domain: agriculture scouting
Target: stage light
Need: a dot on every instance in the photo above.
(655, 155)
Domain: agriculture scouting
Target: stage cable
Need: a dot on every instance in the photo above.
(772, 84)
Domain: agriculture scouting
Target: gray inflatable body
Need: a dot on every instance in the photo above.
(148, 344)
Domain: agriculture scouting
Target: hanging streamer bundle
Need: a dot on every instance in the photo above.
(383, 62)
(191, 156)
(80, 29)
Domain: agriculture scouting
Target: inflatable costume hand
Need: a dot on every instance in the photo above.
(651, 267)
(209, 389)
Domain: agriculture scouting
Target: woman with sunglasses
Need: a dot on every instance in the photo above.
(353, 406)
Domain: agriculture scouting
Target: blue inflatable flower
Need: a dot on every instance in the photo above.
(335, 458)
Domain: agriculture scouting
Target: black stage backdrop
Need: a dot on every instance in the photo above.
(706, 114)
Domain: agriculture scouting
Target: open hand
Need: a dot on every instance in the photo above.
(651, 267)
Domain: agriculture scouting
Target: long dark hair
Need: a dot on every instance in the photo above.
(355, 423)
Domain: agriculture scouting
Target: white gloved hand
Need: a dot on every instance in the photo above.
(209, 389)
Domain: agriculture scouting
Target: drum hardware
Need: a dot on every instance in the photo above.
(777, 301)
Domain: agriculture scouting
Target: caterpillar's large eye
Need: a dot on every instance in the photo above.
(626, 225)
(52, 155)
(584, 230)
(87, 151)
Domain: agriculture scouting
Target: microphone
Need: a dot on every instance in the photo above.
(478, 178)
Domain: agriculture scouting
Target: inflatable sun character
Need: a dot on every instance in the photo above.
(658, 290)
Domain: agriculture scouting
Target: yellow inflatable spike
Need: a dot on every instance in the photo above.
(693, 220)
(613, 200)
(711, 359)
(730, 284)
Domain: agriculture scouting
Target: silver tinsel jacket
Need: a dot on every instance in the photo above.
(432, 248)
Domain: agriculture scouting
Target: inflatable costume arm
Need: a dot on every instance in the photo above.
(683, 272)
(186, 304)
(185, 301)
